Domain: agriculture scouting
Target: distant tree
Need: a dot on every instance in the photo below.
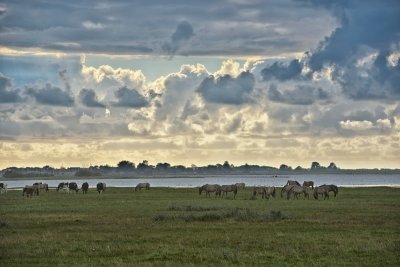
(298, 168)
(226, 165)
(284, 167)
(143, 165)
(332, 166)
(124, 164)
(315, 165)
(163, 166)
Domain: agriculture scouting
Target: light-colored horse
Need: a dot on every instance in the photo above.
(229, 188)
(139, 186)
(270, 192)
(297, 190)
(208, 188)
(286, 189)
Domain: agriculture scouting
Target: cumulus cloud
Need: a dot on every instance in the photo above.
(7, 93)
(282, 72)
(50, 95)
(183, 32)
(88, 97)
(129, 98)
(228, 90)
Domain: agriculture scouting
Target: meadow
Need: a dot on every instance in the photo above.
(177, 227)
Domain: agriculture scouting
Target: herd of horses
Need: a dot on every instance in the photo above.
(292, 188)
(66, 187)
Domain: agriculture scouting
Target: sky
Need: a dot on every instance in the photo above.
(200, 82)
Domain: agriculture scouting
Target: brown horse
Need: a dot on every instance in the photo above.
(296, 190)
(292, 182)
(240, 185)
(286, 189)
(30, 190)
(229, 188)
(260, 190)
(270, 192)
(331, 188)
(139, 186)
(208, 188)
(321, 190)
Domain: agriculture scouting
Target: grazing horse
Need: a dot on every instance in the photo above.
(30, 190)
(61, 186)
(210, 188)
(269, 192)
(229, 188)
(3, 188)
(85, 187)
(296, 190)
(292, 182)
(139, 186)
(286, 189)
(323, 190)
(73, 187)
(101, 187)
(240, 185)
(259, 191)
(41, 186)
(331, 188)
(309, 183)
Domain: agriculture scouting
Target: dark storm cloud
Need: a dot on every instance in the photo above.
(88, 98)
(51, 95)
(183, 32)
(366, 27)
(129, 98)
(300, 95)
(7, 93)
(227, 89)
(139, 27)
(282, 72)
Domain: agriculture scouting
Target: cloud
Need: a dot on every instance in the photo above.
(90, 25)
(51, 95)
(88, 98)
(183, 32)
(228, 90)
(282, 72)
(300, 95)
(129, 98)
(7, 93)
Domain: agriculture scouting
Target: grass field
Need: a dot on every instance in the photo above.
(177, 227)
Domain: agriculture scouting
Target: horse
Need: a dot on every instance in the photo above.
(229, 188)
(73, 187)
(296, 190)
(292, 182)
(259, 191)
(139, 186)
(3, 188)
(30, 190)
(85, 187)
(286, 189)
(331, 188)
(41, 186)
(269, 191)
(61, 186)
(323, 190)
(101, 187)
(309, 183)
(240, 185)
(210, 188)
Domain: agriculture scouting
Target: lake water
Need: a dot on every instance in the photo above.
(253, 180)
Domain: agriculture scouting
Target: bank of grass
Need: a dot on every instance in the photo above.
(177, 227)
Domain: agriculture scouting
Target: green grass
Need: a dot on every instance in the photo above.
(177, 227)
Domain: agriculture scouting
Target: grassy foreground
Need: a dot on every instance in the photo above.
(177, 227)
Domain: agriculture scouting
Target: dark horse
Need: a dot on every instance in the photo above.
(309, 183)
(259, 191)
(292, 182)
(101, 187)
(270, 192)
(30, 190)
(229, 188)
(210, 188)
(85, 187)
